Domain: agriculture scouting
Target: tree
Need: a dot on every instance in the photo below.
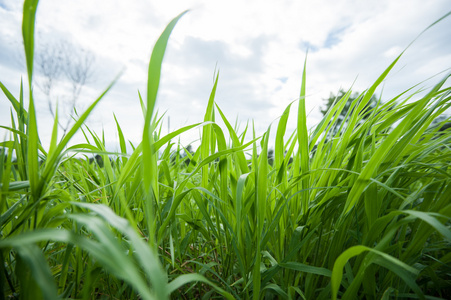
(341, 118)
(442, 121)
(63, 64)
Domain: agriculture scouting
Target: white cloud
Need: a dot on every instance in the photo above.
(259, 47)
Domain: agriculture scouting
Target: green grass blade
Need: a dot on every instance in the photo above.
(303, 140)
(156, 60)
(206, 131)
(16, 104)
(306, 268)
(236, 142)
(40, 271)
(279, 146)
(121, 140)
(186, 278)
(54, 158)
(337, 272)
(428, 218)
(387, 145)
(54, 138)
(29, 17)
(147, 259)
(32, 152)
(150, 172)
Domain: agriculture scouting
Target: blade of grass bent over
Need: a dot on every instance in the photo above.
(337, 272)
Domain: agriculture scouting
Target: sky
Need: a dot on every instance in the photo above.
(259, 48)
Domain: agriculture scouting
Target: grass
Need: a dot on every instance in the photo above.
(360, 214)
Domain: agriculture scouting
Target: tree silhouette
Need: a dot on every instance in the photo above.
(62, 63)
(341, 118)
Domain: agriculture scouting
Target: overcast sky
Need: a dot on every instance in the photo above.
(258, 46)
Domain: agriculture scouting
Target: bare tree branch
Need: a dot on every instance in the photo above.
(63, 63)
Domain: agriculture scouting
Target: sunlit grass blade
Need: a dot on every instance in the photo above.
(207, 131)
(29, 17)
(32, 151)
(154, 71)
(54, 157)
(236, 142)
(149, 159)
(261, 187)
(16, 104)
(121, 140)
(303, 141)
(380, 155)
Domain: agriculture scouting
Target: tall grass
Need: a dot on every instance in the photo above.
(360, 214)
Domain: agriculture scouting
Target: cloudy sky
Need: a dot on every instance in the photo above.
(258, 46)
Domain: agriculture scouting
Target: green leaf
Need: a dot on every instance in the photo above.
(40, 270)
(186, 278)
(29, 16)
(337, 272)
(306, 268)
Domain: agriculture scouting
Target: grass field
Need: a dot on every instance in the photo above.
(361, 214)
